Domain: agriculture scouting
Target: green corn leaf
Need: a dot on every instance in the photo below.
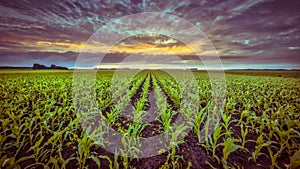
(229, 147)
(96, 160)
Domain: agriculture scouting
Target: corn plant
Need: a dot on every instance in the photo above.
(84, 145)
(200, 117)
(244, 133)
(214, 140)
(226, 120)
(229, 147)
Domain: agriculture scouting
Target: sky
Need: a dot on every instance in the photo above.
(246, 34)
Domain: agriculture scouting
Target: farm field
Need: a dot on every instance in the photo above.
(259, 126)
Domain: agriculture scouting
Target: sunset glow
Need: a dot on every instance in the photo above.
(245, 34)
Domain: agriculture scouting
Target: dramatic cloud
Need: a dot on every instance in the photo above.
(246, 34)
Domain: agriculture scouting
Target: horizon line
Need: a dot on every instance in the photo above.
(73, 68)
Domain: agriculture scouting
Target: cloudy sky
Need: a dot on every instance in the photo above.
(245, 33)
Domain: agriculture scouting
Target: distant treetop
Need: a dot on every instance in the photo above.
(39, 66)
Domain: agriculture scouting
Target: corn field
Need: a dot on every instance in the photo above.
(42, 127)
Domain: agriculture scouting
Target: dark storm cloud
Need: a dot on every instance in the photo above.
(46, 58)
(241, 31)
(264, 25)
(114, 57)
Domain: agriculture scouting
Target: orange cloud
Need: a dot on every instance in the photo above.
(142, 48)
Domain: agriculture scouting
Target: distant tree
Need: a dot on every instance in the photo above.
(39, 66)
